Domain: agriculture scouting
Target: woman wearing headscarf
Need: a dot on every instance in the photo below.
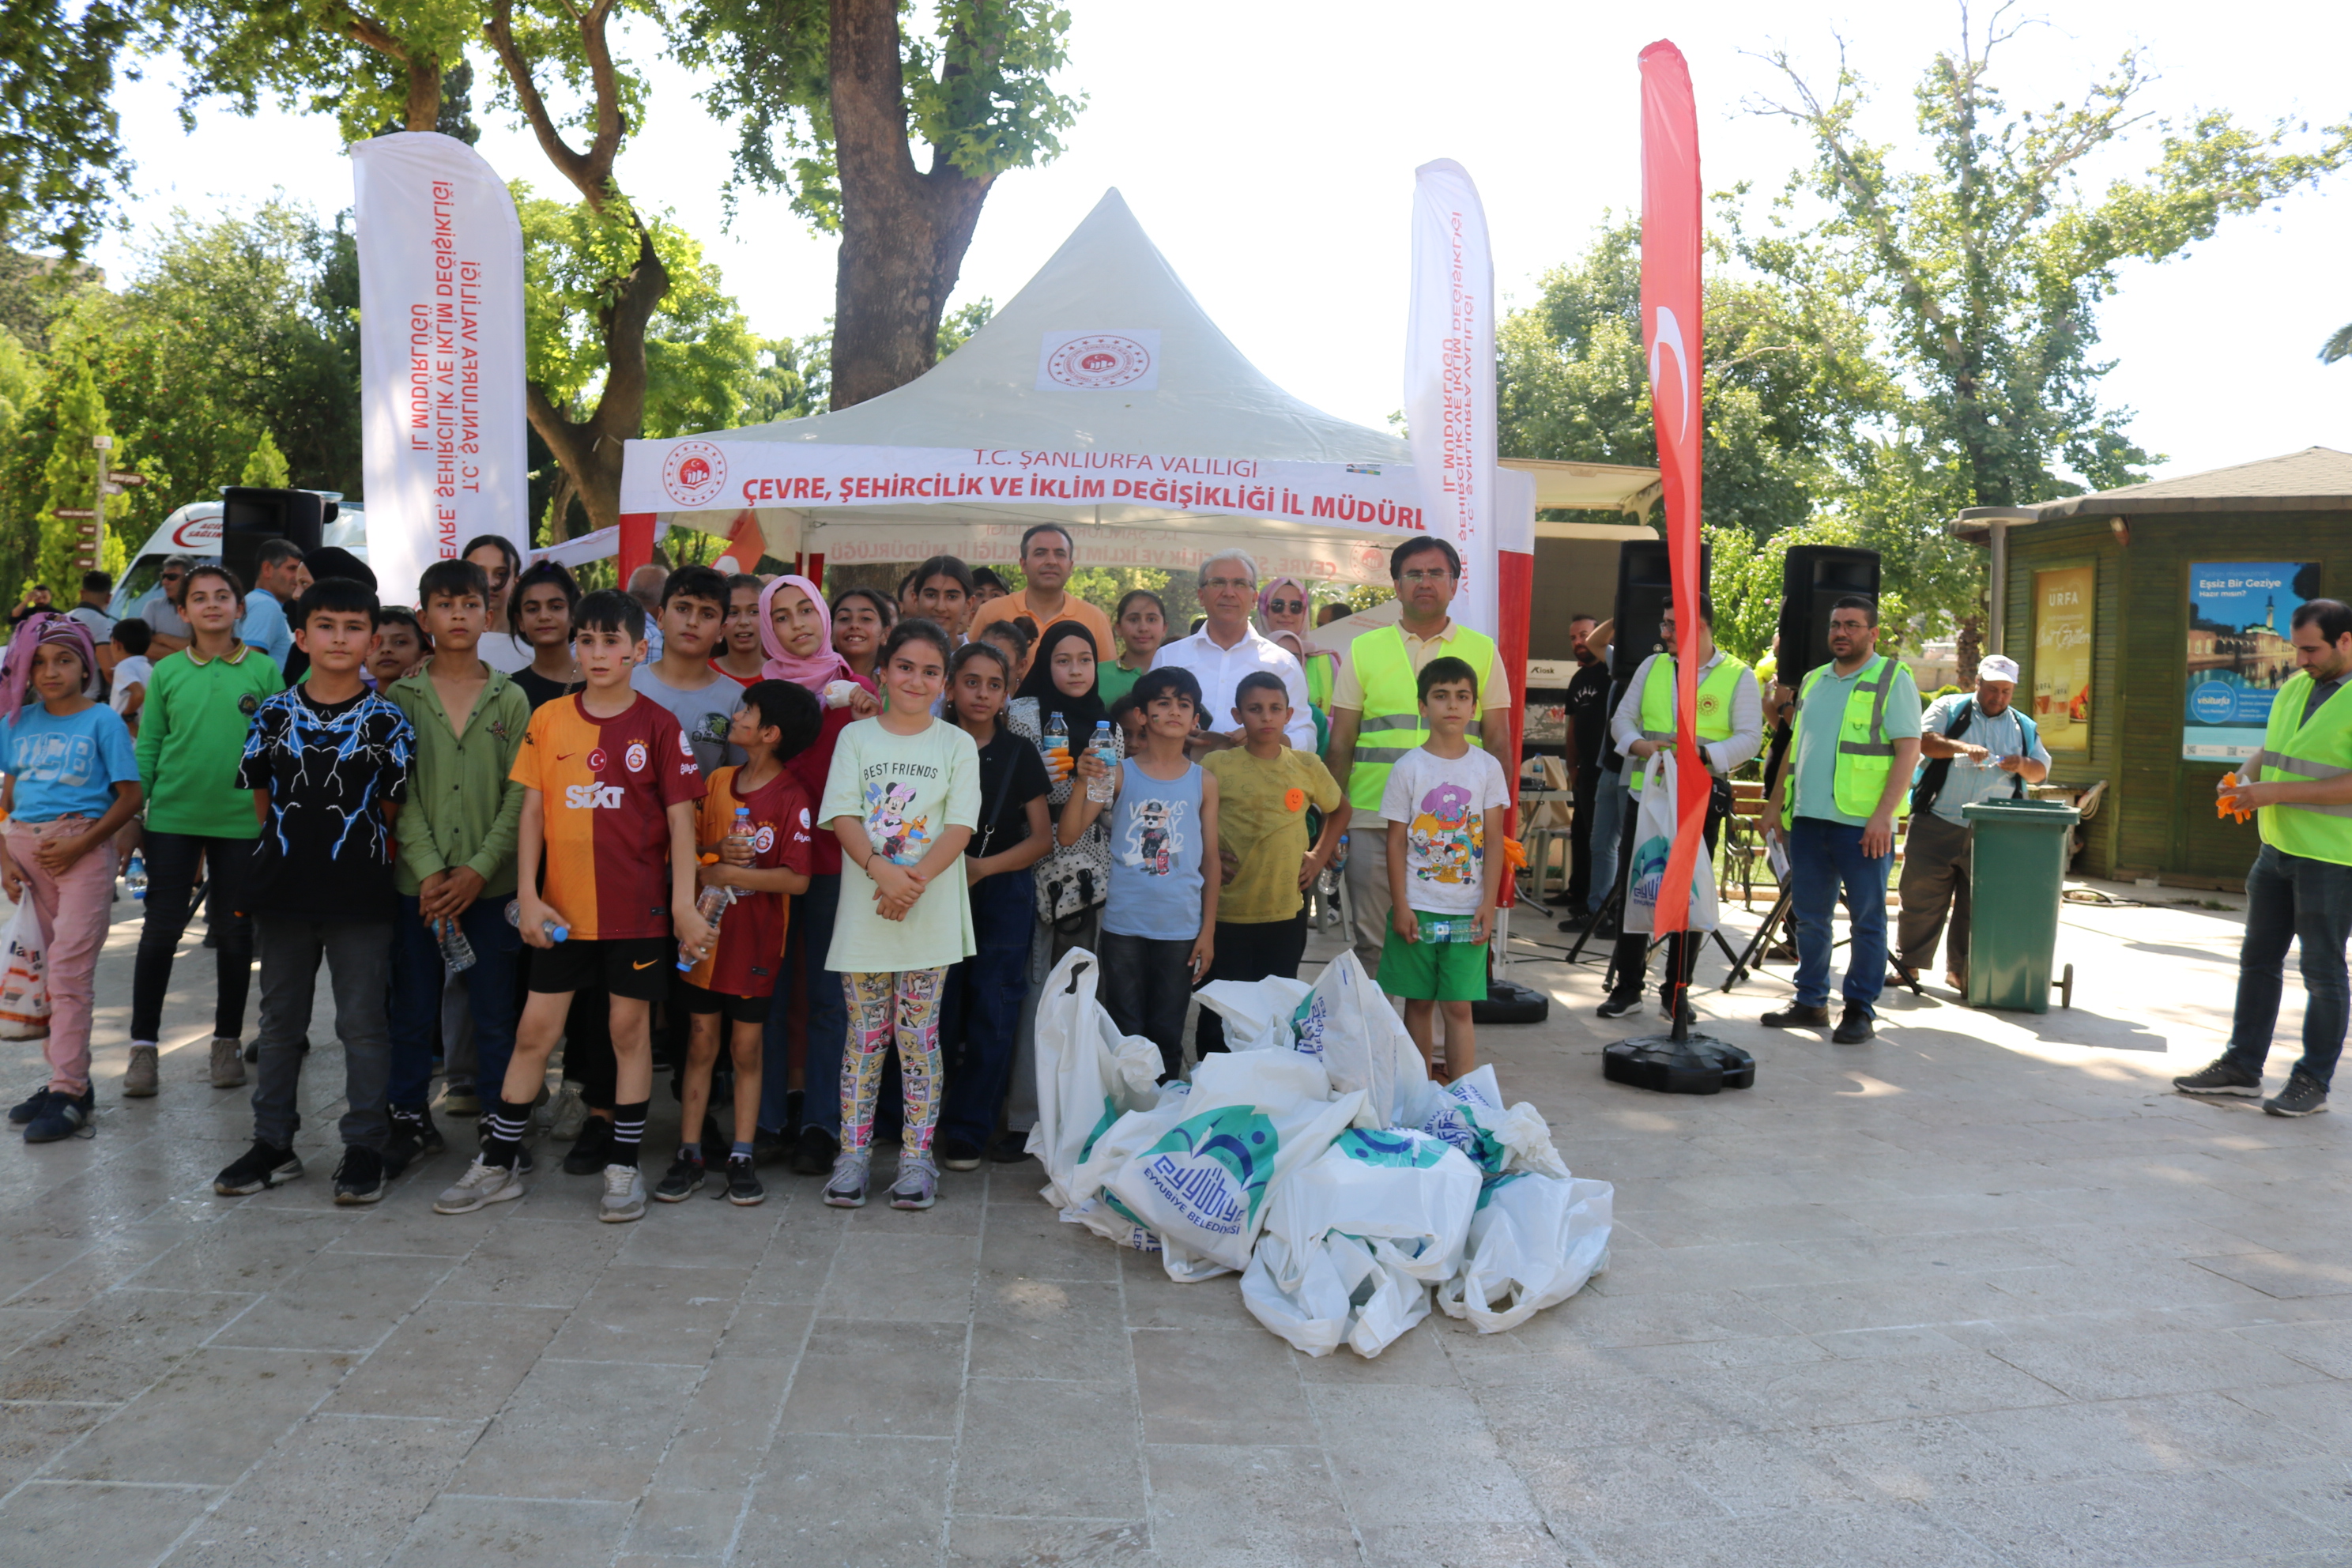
(1284, 606)
(808, 1023)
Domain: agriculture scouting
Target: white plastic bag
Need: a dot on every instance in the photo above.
(1247, 1007)
(1344, 1294)
(1088, 1075)
(1252, 1118)
(23, 985)
(1408, 1196)
(1345, 1023)
(1534, 1241)
(1469, 1114)
(1653, 838)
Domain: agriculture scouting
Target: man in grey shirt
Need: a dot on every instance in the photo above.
(1988, 751)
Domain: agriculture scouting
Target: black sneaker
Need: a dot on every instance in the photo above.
(258, 1167)
(413, 1138)
(2303, 1096)
(61, 1117)
(772, 1148)
(744, 1188)
(360, 1178)
(813, 1154)
(956, 1155)
(1795, 1016)
(1577, 921)
(2223, 1077)
(682, 1182)
(588, 1149)
(1009, 1150)
(1854, 1027)
(1619, 1003)
(21, 1114)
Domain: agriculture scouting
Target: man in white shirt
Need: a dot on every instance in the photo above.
(1229, 647)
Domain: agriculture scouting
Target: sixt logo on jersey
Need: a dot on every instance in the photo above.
(593, 796)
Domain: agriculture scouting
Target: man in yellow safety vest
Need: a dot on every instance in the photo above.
(1730, 724)
(1834, 808)
(1376, 715)
(2301, 884)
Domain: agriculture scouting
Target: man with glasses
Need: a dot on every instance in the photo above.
(1228, 647)
(1376, 715)
(1048, 559)
(1834, 808)
(168, 632)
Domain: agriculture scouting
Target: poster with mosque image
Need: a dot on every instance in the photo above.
(2241, 614)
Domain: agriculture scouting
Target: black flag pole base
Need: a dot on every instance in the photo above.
(1696, 1064)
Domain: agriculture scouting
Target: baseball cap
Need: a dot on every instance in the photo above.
(1997, 667)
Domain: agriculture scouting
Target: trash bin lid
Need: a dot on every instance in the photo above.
(2020, 813)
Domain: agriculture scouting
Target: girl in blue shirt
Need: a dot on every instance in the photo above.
(73, 781)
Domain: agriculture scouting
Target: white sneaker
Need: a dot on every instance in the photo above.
(483, 1184)
(624, 1195)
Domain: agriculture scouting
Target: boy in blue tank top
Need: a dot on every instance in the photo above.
(1159, 920)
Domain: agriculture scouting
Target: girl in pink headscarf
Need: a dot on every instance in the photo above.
(73, 781)
(1284, 606)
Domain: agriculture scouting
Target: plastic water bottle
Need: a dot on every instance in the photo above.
(711, 905)
(1056, 739)
(556, 929)
(741, 831)
(1099, 790)
(456, 952)
(134, 876)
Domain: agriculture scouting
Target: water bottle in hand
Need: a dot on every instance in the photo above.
(742, 832)
(1099, 790)
(556, 929)
(456, 952)
(710, 905)
(1056, 746)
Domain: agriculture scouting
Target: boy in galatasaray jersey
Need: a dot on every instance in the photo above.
(605, 787)
(746, 959)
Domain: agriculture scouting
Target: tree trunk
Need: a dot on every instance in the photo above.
(589, 450)
(1967, 648)
(903, 232)
(424, 112)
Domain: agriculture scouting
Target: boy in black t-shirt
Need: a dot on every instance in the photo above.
(328, 765)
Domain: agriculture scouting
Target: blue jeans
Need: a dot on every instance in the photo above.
(1607, 805)
(2287, 898)
(1825, 859)
(981, 1011)
(416, 981)
(828, 1017)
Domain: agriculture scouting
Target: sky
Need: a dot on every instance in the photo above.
(1269, 148)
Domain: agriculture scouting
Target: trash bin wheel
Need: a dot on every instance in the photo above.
(2065, 984)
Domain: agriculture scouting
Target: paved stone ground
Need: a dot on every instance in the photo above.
(1980, 1293)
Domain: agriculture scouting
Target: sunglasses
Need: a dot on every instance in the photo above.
(1286, 606)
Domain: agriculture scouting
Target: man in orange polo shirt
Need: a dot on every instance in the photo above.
(1047, 558)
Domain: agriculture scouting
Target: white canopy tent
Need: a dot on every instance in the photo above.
(1102, 398)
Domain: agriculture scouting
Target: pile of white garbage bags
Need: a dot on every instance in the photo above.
(1316, 1159)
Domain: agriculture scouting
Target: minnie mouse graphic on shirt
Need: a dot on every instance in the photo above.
(901, 840)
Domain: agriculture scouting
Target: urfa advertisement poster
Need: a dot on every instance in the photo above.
(2240, 614)
(2062, 657)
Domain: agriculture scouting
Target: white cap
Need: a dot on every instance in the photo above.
(1997, 667)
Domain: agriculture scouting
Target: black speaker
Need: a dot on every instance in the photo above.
(1813, 577)
(1644, 582)
(250, 518)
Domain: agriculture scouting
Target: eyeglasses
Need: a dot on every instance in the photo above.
(1286, 606)
(1436, 575)
(1221, 584)
(173, 577)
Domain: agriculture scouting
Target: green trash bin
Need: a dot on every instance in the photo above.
(2017, 869)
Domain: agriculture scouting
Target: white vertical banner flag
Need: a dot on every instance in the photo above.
(1449, 378)
(441, 365)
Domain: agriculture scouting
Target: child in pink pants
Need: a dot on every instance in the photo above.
(73, 781)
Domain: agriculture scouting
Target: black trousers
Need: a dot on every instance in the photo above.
(1579, 839)
(1629, 967)
(172, 863)
(1257, 950)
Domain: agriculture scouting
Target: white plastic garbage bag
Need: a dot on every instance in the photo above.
(24, 982)
(1088, 1075)
(1110, 1148)
(1654, 839)
(1469, 1114)
(1344, 1294)
(1408, 1196)
(1252, 1118)
(1534, 1242)
(1346, 1023)
(1247, 1007)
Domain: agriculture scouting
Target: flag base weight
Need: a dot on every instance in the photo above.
(1509, 1002)
(1693, 1065)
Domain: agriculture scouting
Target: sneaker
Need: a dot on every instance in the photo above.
(744, 1188)
(228, 1064)
(413, 1138)
(1619, 1004)
(2304, 1096)
(460, 1099)
(483, 1184)
(1854, 1027)
(772, 1148)
(683, 1181)
(258, 1167)
(1009, 1150)
(360, 1178)
(957, 1155)
(65, 1115)
(794, 1098)
(2223, 1077)
(570, 1114)
(917, 1186)
(141, 1078)
(624, 1195)
(848, 1188)
(815, 1152)
(588, 1149)
(1795, 1016)
(31, 1108)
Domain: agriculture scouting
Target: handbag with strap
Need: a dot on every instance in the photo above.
(1072, 878)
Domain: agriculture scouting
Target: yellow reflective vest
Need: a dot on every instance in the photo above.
(1392, 724)
(1866, 757)
(2297, 753)
(1716, 689)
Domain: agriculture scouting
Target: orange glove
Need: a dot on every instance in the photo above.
(1516, 853)
(2227, 805)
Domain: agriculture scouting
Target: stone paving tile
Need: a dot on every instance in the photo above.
(205, 1421)
(343, 1488)
(51, 1521)
(464, 1532)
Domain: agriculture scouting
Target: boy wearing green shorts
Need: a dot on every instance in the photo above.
(1445, 803)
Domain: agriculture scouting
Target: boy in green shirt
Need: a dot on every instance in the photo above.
(1263, 788)
(191, 728)
(457, 866)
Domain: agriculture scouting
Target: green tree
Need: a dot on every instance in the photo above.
(69, 474)
(830, 98)
(2338, 346)
(266, 470)
(61, 155)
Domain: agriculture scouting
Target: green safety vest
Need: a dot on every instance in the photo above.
(2297, 753)
(1715, 693)
(1391, 723)
(1866, 757)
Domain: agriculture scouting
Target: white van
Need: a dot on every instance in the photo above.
(194, 532)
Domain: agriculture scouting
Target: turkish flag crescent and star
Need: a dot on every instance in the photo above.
(1670, 332)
